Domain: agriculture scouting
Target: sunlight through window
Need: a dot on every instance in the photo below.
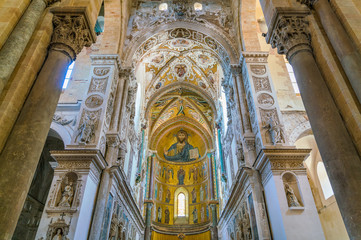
(68, 75)
(181, 205)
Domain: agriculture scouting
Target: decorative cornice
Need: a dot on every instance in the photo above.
(254, 57)
(72, 30)
(288, 32)
(277, 160)
(79, 155)
(106, 59)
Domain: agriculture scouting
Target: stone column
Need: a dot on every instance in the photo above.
(248, 137)
(259, 204)
(220, 149)
(113, 143)
(289, 33)
(148, 220)
(16, 43)
(292, 211)
(214, 229)
(346, 52)
(23, 148)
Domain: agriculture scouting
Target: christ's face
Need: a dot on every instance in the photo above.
(181, 137)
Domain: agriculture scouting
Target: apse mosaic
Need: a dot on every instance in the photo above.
(181, 103)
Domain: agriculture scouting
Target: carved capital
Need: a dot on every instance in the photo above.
(289, 32)
(113, 140)
(72, 31)
(236, 69)
(308, 3)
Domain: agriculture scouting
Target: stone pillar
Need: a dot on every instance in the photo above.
(148, 220)
(220, 149)
(259, 204)
(265, 114)
(113, 143)
(346, 52)
(140, 156)
(292, 211)
(72, 194)
(23, 148)
(248, 137)
(214, 229)
(96, 113)
(289, 33)
(16, 43)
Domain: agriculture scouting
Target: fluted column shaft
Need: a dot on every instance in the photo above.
(346, 52)
(291, 37)
(22, 151)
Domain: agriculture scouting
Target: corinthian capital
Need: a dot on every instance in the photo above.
(289, 32)
(72, 31)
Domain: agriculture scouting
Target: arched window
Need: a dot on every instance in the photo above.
(181, 208)
(324, 181)
(68, 75)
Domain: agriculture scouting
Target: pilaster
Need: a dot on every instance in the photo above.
(289, 200)
(96, 112)
(72, 194)
(265, 115)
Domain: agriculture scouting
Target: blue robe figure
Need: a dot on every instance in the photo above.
(179, 151)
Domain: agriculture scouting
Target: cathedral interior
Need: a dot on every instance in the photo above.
(180, 119)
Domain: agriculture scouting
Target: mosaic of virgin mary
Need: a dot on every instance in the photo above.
(181, 151)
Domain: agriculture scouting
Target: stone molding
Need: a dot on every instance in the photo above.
(106, 59)
(48, 3)
(275, 161)
(120, 182)
(238, 191)
(254, 57)
(83, 161)
(72, 31)
(308, 3)
(289, 31)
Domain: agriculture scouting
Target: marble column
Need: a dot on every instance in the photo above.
(289, 33)
(346, 52)
(15, 45)
(259, 204)
(214, 229)
(23, 148)
(113, 143)
(148, 220)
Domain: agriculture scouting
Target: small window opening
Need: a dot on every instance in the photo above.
(293, 78)
(68, 75)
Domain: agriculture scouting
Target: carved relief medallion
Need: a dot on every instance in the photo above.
(265, 99)
(94, 101)
(101, 71)
(258, 69)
